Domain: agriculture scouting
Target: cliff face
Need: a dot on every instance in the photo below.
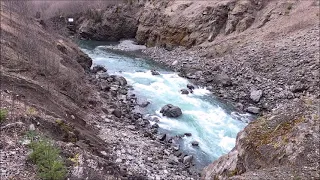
(283, 145)
(185, 23)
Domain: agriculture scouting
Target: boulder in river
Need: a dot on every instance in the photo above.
(154, 72)
(144, 104)
(187, 159)
(171, 111)
(184, 91)
(98, 68)
(122, 81)
(195, 143)
(190, 86)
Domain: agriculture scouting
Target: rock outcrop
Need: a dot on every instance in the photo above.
(284, 143)
(116, 22)
(188, 23)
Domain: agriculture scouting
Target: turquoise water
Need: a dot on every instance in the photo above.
(210, 122)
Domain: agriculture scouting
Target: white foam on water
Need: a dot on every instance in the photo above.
(201, 92)
(226, 142)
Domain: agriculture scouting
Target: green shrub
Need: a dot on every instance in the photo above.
(3, 115)
(50, 165)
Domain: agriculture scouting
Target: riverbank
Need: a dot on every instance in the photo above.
(48, 93)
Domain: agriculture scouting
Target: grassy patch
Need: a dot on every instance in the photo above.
(3, 115)
(50, 165)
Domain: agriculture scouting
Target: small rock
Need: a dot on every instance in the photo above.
(154, 72)
(253, 110)
(104, 153)
(187, 159)
(162, 137)
(175, 63)
(122, 81)
(184, 91)
(155, 126)
(190, 86)
(32, 127)
(26, 142)
(188, 134)
(177, 153)
(104, 76)
(255, 95)
(176, 147)
(118, 160)
(195, 143)
(144, 104)
(117, 113)
(131, 127)
(98, 68)
(239, 106)
(104, 86)
(173, 160)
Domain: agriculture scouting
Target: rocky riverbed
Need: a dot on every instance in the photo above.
(136, 146)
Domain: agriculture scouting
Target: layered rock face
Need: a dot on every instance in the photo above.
(185, 23)
(115, 23)
(283, 145)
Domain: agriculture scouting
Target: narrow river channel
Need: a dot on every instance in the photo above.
(210, 122)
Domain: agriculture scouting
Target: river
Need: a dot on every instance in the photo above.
(210, 122)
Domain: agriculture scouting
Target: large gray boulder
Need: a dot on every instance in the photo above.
(170, 110)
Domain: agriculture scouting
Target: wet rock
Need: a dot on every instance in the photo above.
(170, 110)
(117, 113)
(255, 95)
(184, 91)
(154, 72)
(253, 110)
(144, 104)
(188, 134)
(98, 68)
(187, 159)
(122, 81)
(155, 118)
(155, 126)
(162, 137)
(195, 143)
